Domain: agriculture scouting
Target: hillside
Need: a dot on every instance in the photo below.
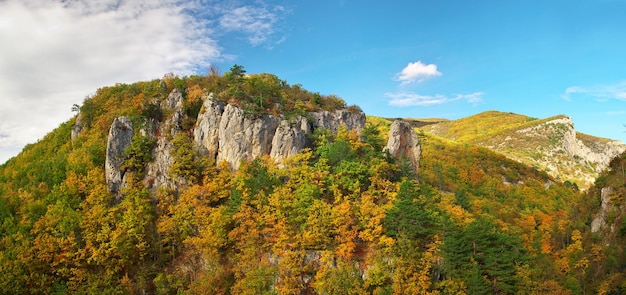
(549, 144)
(606, 201)
(145, 191)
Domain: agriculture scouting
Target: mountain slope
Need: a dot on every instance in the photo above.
(340, 216)
(549, 144)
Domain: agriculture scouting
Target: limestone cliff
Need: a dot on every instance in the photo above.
(157, 174)
(343, 117)
(404, 143)
(77, 128)
(564, 153)
(119, 139)
(550, 144)
(206, 133)
(606, 209)
(224, 132)
(290, 138)
(244, 137)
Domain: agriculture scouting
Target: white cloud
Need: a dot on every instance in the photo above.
(408, 99)
(54, 53)
(598, 92)
(256, 22)
(417, 71)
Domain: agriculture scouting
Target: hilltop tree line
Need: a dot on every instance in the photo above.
(342, 217)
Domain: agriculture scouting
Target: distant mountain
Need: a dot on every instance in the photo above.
(550, 144)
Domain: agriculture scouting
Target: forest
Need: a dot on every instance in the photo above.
(340, 217)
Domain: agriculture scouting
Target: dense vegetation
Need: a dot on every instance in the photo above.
(341, 218)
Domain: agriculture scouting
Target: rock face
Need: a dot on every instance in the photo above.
(332, 120)
(289, 139)
(244, 137)
(593, 153)
(157, 174)
(225, 133)
(77, 127)
(404, 143)
(206, 132)
(119, 139)
(580, 158)
(606, 208)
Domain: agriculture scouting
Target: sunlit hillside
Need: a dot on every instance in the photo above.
(341, 216)
(549, 144)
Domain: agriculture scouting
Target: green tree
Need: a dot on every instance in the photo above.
(413, 215)
(483, 257)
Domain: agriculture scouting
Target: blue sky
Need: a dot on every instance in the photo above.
(445, 59)
(535, 58)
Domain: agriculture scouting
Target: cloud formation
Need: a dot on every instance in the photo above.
(407, 99)
(56, 52)
(417, 71)
(256, 22)
(599, 93)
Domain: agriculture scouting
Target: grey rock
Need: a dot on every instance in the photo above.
(404, 143)
(157, 172)
(119, 139)
(570, 156)
(606, 208)
(174, 100)
(224, 132)
(289, 139)
(244, 137)
(206, 131)
(343, 117)
(77, 127)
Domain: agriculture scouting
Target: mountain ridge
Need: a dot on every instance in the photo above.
(347, 213)
(551, 144)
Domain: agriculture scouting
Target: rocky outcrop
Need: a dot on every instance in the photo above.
(565, 154)
(606, 208)
(404, 143)
(206, 133)
(157, 172)
(77, 128)
(224, 132)
(289, 139)
(343, 117)
(244, 137)
(174, 101)
(592, 152)
(118, 140)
